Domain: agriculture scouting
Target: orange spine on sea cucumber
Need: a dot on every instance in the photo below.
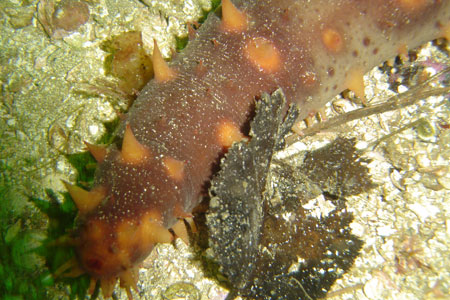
(233, 20)
(133, 152)
(228, 133)
(98, 151)
(402, 49)
(85, 201)
(181, 231)
(174, 168)
(128, 279)
(263, 54)
(163, 73)
(157, 233)
(412, 5)
(355, 82)
(446, 31)
(107, 285)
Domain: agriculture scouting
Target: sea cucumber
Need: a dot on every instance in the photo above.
(199, 104)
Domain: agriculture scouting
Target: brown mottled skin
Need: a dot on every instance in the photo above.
(216, 81)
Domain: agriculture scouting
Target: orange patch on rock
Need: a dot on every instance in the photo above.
(263, 54)
(332, 40)
(228, 133)
(233, 20)
(174, 168)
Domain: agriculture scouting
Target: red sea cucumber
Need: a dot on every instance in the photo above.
(196, 107)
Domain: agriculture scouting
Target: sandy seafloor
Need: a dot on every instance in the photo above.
(404, 222)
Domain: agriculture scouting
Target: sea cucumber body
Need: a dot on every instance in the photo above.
(311, 49)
